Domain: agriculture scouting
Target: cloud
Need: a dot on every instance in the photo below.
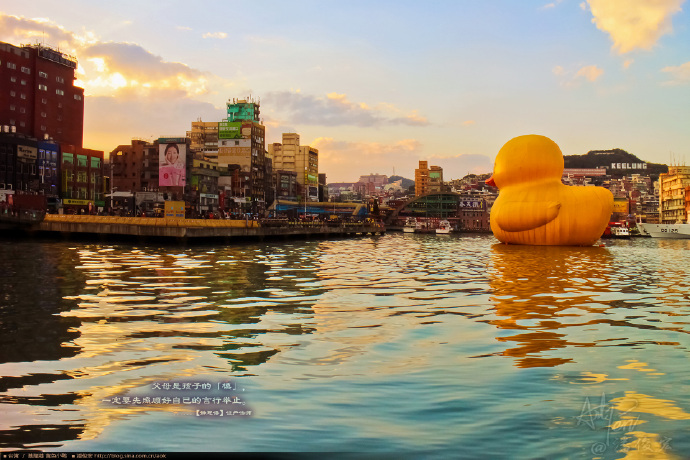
(345, 161)
(164, 112)
(215, 35)
(14, 29)
(680, 74)
(628, 63)
(573, 79)
(468, 123)
(458, 166)
(336, 110)
(558, 70)
(551, 5)
(127, 87)
(634, 24)
(111, 66)
(590, 73)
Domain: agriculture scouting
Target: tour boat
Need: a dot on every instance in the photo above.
(443, 227)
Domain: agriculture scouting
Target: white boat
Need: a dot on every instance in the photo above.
(410, 225)
(677, 230)
(443, 227)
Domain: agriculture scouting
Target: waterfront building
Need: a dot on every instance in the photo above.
(323, 188)
(242, 155)
(428, 179)
(286, 185)
(302, 159)
(204, 182)
(38, 97)
(81, 172)
(18, 156)
(134, 167)
(672, 189)
(465, 212)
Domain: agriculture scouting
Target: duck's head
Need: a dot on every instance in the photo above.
(527, 158)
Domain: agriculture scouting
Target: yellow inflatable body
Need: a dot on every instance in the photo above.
(534, 207)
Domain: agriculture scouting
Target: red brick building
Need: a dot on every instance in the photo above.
(38, 96)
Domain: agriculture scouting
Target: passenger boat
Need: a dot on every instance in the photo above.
(677, 230)
(443, 227)
(410, 225)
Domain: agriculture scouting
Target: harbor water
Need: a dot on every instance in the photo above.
(433, 346)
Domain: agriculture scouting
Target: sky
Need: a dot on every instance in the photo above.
(378, 85)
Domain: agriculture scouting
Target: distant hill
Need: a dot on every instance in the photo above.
(604, 158)
(406, 183)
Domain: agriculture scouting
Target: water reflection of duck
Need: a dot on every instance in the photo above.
(534, 207)
(533, 287)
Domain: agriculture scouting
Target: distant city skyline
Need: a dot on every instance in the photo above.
(378, 86)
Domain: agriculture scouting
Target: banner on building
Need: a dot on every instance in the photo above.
(172, 163)
(26, 152)
(230, 130)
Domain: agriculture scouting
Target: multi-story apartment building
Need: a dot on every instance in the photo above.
(134, 167)
(672, 188)
(38, 96)
(428, 179)
(301, 159)
(204, 139)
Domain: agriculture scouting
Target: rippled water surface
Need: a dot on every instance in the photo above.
(445, 346)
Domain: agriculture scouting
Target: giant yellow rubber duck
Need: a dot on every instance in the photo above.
(534, 207)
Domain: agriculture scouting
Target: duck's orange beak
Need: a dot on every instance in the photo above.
(490, 181)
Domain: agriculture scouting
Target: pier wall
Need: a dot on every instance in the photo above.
(192, 228)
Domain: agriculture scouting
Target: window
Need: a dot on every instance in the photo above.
(43, 128)
(45, 101)
(13, 79)
(23, 96)
(43, 114)
(26, 70)
(43, 87)
(13, 94)
(23, 82)
(12, 107)
(77, 97)
(59, 79)
(11, 65)
(42, 74)
(59, 92)
(22, 110)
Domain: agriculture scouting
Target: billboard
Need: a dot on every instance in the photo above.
(620, 205)
(172, 164)
(230, 130)
(26, 152)
(174, 210)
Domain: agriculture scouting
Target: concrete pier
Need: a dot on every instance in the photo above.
(193, 229)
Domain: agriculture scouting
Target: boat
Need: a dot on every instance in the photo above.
(443, 227)
(677, 230)
(410, 225)
(617, 230)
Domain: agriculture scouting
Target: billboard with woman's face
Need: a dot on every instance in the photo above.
(172, 161)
